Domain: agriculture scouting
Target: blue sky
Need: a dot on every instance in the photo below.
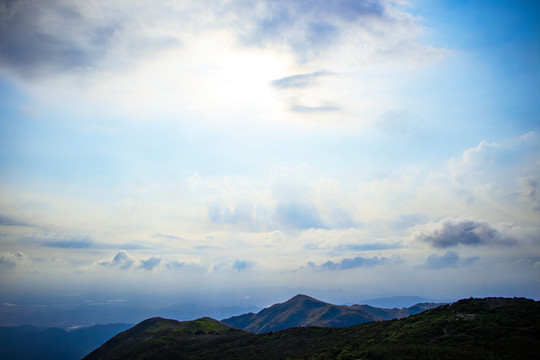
(355, 148)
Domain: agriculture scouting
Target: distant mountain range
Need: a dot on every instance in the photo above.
(401, 301)
(30, 342)
(492, 328)
(303, 310)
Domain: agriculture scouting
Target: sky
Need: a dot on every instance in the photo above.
(235, 153)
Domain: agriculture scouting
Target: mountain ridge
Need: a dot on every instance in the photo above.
(303, 310)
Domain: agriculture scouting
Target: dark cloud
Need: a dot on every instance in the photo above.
(345, 264)
(150, 264)
(50, 36)
(300, 80)
(242, 265)
(448, 260)
(30, 45)
(452, 232)
(121, 260)
(313, 109)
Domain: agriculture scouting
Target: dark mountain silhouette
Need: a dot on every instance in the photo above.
(303, 310)
(492, 328)
(30, 342)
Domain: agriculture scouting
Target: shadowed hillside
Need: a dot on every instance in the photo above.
(492, 328)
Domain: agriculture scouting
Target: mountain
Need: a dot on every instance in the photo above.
(303, 310)
(159, 338)
(30, 342)
(491, 328)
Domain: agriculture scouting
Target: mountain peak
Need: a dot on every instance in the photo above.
(302, 310)
(301, 297)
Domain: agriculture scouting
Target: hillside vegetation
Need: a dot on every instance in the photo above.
(492, 328)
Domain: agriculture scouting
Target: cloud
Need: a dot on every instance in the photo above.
(31, 41)
(479, 161)
(165, 236)
(241, 265)
(74, 243)
(507, 170)
(313, 109)
(220, 214)
(185, 265)
(121, 260)
(451, 232)
(448, 260)
(150, 263)
(66, 241)
(300, 80)
(10, 260)
(409, 220)
(10, 221)
(298, 216)
(306, 26)
(346, 264)
(370, 246)
(53, 36)
(530, 187)
(287, 201)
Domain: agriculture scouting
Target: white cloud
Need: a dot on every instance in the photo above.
(121, 260)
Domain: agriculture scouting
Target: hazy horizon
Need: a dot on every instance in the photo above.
(232, 154)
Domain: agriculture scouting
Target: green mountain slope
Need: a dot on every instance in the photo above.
(303, 310)
(492, 328)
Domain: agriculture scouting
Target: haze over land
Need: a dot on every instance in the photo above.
(235, 153)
